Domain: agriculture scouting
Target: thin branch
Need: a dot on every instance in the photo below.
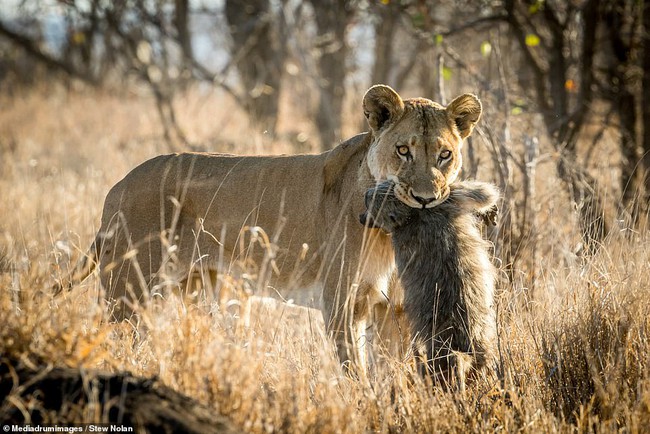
(458, 60)
(474, 24)
(517, 29)
(51, 62)
(488, 136)
(585, 95)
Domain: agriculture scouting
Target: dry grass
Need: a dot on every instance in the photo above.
(574, 353)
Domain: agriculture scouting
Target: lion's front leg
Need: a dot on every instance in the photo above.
(391, 325)
(346, 318)
(391, 329)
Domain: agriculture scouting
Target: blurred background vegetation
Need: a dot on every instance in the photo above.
(563, 83)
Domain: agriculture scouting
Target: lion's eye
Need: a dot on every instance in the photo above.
(445, 154)
(403, 150)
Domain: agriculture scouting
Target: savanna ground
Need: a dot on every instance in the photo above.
(573, 345)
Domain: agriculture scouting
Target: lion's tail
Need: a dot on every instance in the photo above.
(84, 268)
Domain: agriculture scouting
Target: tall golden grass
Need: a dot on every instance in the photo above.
(573, 353)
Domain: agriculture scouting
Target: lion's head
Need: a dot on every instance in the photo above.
(417, 142)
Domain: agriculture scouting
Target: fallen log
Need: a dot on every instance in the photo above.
(39, 393)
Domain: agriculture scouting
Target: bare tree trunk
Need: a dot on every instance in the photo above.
(183, 35)
(528, 225)
(470, 165)
(623, 99)
(332, 19)
(429, 60)
(646, 106)
(259, 53)
(588, 201)
(387, 19)
(552, 97)
(504, 243)
(439, 91)
(80, 42)
(629, 152)
(582, 187)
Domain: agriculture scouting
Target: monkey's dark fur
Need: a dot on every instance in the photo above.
(445, 269)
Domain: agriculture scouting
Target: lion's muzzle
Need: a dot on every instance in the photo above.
(422, 199)
(416, 199)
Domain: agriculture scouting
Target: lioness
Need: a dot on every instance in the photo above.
(186, 211)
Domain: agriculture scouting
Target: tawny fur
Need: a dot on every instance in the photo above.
(444, 266)
(179, 214)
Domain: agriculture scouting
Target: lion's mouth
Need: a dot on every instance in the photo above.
(443, 197)
(402, 194)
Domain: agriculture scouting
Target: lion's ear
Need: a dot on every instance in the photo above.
(381, 105)
(465, 112)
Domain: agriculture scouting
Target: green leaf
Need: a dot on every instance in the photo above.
(447, 73)
(532, 40)
(486, 49)
(417, 20)
(438, 39)
(535, 7)
(516, 111)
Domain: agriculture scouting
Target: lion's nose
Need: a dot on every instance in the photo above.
(424, 201)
